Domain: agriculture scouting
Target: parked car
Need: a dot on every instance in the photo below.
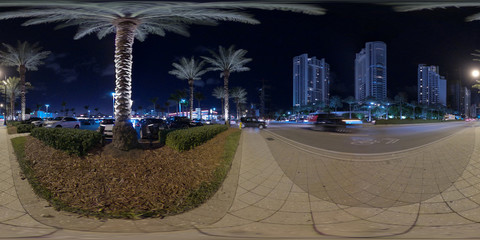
(62, 122)
(38, 122)
(106, 127)
(149, 127)
(198, 122)
(329, 122)
(252, 122)
(181, 122)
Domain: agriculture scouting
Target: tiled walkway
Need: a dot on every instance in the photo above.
(279, 188)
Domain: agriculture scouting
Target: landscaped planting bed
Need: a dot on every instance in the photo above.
(138, 183)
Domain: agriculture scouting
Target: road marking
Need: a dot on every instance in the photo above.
(390, 140)
(364, 141)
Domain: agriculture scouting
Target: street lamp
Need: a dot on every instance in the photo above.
(180, 105)
(47, 105)
(475, 73)
(5, 99)
(113, 104)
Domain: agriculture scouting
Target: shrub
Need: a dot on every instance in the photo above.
(72, 141)
(14, 123)
(162, 135)
(186, 139)
(25, 128)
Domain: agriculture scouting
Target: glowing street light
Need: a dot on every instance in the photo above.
(113, 103)
(47, 105)
(475, 73)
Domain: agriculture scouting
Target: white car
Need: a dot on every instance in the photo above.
(107, 125)
(62, 122)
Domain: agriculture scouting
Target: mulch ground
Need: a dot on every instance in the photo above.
(133, 182)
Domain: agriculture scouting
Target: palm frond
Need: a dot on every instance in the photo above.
(152, 17)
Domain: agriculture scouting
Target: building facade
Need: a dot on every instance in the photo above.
(371, 72)
(432, 88)
(311, 80)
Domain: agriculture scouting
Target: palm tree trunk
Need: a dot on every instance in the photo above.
(22, 70)
(225, 89)
(190, 83)
(12, 106)
(124, 135)
(238, 110)
(350, 111)
(223, 105)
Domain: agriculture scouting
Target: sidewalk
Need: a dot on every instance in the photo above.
(281, 189)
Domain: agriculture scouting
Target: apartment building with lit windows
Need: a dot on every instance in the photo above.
(432, 88)
(311, 80)
(371, 72)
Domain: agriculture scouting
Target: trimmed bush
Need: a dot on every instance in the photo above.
(25, 128)
(72, 141)
(14, 123)
(162, 135)
(187, 139)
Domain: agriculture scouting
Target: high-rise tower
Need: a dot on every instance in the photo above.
(371, 72)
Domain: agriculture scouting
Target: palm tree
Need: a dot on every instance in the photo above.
(227, 61)
(167, 105)
(130, 20)
(96, 110)
(413, 105)
(335, 102)
(63, 105)
(401, 98)
(190, 71)
(199, 96)
(25, 57)
(239, 96)
(177, 97)
(219, 93)
(350, 101)
(154, 102)
(13, 89)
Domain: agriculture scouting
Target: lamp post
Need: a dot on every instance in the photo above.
(47, 105)
(5, 99)
(113, 104)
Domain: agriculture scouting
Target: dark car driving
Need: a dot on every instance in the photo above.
(252, 122)
(330, 122)
(149, 127)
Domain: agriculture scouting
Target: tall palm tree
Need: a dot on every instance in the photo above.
(130, 20)
(13, 89)
(350, 101)
(154, 102)
(400, 99)
(177, 97)
(239, 96)
(167, 105)
(25, 57)
(227, 61)
(219, 93)
(335, 102)
(199, 96)
(189, 70)
(63, 105)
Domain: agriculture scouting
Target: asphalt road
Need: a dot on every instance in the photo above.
(371, 139)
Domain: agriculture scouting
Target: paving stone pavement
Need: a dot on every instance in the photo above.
(278, 188)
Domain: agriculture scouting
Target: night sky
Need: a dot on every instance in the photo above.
(80, 72)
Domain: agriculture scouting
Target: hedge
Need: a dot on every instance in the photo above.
(25, 128)
(72, 141)
(14, 123)
(186, 139)
(162, 135)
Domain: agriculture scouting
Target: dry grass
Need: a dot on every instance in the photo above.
(152, 182)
